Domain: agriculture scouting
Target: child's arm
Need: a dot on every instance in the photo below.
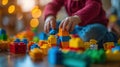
(53, 7)
(50, 12)
(90, 11)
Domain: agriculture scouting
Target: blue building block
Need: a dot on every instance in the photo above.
(116, 48)
(53, 32)
(43, 36)
(64, 38)
(2, 31)
(55, 56)
(34, 46)
(25, 41)
(58, 41)
(17, 40)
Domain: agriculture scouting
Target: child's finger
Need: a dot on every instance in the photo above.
(45, 28)
(66, 21)
(48, 27)
(61, 24)
(72, 27)
(53, 24)
(68, 27)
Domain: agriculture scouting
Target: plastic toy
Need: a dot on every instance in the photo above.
(53, 32)
(93, 44)
(18, 48)
(34, 46)
(76, 43)
(73, 59)
(97, 56)
(25, 41)
(45, 48)
(29, 45)
(43, 36)
(108, 45)
(4, 45)
(113, 56)
(35, 39)
(36, 54)
(116, 48)
(52, 40)
(55, 56)
(41, 42)
(3, 35)
(63, 33)
(87, 45)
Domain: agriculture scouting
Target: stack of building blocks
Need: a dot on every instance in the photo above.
(18, 48)
(113, 55)
(76, 43)
(64, 38)
(74, 59)
(55, 56)
(97, 56)
(93, 44)
(36, 54)
(108, 45)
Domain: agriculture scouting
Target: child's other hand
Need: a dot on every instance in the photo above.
(69, 23)
(50, 22)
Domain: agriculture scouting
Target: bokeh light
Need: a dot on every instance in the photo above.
(36, 12)
(34, 23)
(4, 2)
(26, 5)
(11, 9)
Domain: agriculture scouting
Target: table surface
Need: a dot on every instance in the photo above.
(10, 60)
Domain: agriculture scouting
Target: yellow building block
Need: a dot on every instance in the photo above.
(76, 43)
(45, 48)
(63, 33)
(108, 45)
(36, 54)
(52, 40)
(87, 45)
(113, 56)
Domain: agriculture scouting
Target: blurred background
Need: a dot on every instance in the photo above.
(19, 15)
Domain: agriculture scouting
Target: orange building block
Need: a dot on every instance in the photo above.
(63, 33)
(65, 44)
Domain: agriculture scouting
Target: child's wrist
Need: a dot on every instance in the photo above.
(78, 18)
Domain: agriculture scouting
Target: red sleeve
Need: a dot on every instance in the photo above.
(90, 11)
(52, 8)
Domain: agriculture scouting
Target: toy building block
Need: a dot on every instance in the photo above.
(34, 46)
(97, 56)
(76, 43)
(43, 36)
(35, 39)
(2, 31)
(18, 48)
(4, 45)
(55, 56)
(93, 44)
(41, 42)
(53, 32)
(3, 37)
(45, 48)
(36, 54)
(17, 40)
(116, 48)
(52, 40)
(64, 45)
(113, 56)
(87, 45)
(25, 41)
(108, 45)
(73, 59)
(63, 33)
(64, 38)
(29, 45)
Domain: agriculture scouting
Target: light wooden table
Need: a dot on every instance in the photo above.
(9, 60)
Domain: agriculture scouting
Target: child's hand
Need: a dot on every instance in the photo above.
(69, 23)
(50, 22)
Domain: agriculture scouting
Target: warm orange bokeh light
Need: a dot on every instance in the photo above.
(4, 2)
(34, 23)
(36, 12)
(11, 9)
